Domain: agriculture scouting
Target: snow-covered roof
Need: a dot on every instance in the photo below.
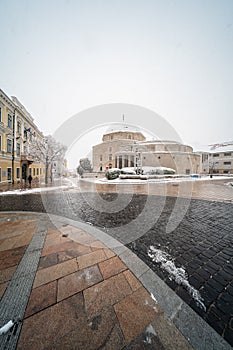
(22, 108)
(122, 127)
(209, 149)
(222, 149)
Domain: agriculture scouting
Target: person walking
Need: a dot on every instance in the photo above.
(30, 181)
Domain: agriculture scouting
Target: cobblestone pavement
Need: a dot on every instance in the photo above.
(201, 244)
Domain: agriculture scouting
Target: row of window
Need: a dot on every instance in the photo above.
(226, 154)
(224, 163)
(18, 126)
(8, 173)
(9, 146)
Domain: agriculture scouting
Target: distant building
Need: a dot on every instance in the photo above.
(59, 168)
(221, 160)
(17, 129)
(217, 159)
(128, 147)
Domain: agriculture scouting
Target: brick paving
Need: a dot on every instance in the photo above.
(83, 296)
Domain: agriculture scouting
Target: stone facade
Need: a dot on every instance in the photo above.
(129, 148)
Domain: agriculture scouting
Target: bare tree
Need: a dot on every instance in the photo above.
(47, 150)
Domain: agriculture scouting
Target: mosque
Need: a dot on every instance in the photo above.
(126, 146)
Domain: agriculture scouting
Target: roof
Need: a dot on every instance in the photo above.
(122, 127)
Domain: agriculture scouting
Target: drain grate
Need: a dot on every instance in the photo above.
(14, 301)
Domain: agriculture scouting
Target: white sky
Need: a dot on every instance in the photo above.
(60, 57)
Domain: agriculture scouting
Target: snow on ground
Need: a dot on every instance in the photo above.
(177, 274)
(70, 184)
(159, 180)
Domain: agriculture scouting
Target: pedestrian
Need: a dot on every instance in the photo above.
(30, 181)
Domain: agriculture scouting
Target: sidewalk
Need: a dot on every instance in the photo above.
(83, 295)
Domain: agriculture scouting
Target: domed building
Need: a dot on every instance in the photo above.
(125, 146)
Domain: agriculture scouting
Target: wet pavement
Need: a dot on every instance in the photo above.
(191, 238)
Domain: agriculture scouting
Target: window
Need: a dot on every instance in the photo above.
(204, 157)
(9, 146)
(0, 142)
(0, 114)
(19, 127)
(34, 171)
(101, 158)
(126, 162)
(226, 172)
(18, 173)
(120, 162)
(227, 163)
(9, 121)
(227, 154)
(37, 171)
(40, 171)
(101, 168)
(0, 174)
(187, 171)
(8, 174)
(18, 149)
(216, 155)
(110, 157)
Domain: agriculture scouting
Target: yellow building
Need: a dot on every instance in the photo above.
(17, 130)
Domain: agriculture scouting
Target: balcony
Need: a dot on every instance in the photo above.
(26, 159)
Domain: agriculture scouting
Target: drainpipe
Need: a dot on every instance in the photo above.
(13, 151)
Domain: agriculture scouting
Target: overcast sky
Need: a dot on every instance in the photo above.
(60, 57)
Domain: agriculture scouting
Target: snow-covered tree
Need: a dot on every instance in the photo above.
(47, 150)
(84, 166)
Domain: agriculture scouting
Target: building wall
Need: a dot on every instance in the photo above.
(124, 135)
(221, 162)
(104, 153)
(132, 149)
(17, 129)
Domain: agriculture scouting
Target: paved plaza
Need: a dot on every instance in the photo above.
(185, 244)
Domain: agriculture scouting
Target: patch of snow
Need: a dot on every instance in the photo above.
(128, 170)
(157, 170)
(34, 190)
(153, 297)
(6, 327)
(151, 330)
(177, 274)
(160, 180)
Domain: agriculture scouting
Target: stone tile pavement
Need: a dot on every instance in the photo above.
(83, 295)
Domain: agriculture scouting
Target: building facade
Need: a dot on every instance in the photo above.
(217, 159)
(221, 160)
(128, 147)
(17, 130)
